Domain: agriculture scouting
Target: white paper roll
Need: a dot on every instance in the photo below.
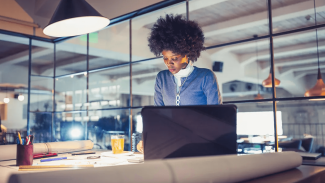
(8, 152)
(230, 168)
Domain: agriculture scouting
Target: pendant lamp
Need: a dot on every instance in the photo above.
(259, 96)
(74, 17)
(267, 83)
(319, 88)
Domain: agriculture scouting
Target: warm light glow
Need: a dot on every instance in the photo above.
(259, 97)
(267, 83)
(21, 97)
(76, 26)
(71, 76)
(317, 90)
(6, 100)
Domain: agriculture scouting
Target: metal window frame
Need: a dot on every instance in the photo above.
(143, 11)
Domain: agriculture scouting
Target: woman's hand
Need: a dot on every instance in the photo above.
(140, 147)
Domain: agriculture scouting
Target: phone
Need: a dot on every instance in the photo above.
(82, 153)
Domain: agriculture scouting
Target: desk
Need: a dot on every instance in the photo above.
(9, 167)
(261, 144)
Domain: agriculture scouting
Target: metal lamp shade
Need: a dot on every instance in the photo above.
(318, 89)
(74, 17)
(267, 83)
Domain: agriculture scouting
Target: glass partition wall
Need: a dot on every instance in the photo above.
(264, 53)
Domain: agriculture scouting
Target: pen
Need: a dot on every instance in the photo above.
(28, 139)
(31, 139)
(53, 159)
(20, 141)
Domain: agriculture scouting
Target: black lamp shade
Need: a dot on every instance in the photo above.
(74, 17)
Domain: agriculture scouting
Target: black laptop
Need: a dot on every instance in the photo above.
(187, 131)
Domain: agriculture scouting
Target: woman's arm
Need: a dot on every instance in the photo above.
(211, 89)
(158, 98)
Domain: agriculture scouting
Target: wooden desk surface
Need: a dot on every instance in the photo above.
(302, 174)
(9, 167)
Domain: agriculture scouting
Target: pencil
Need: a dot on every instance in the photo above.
(20, 141)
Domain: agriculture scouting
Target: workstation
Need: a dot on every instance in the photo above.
(93, 83)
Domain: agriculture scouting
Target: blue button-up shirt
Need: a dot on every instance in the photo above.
(200, 88)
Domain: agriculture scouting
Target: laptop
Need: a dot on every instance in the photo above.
(189, 131)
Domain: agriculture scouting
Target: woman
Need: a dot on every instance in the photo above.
(181, 42)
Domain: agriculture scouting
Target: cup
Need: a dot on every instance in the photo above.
(117, 142)
(24, 155)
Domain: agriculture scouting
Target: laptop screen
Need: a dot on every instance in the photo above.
(185, 131)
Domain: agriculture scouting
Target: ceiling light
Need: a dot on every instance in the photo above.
(6, 100)
(21, 97)
(74, 17)
(319, 88)
(267, 83)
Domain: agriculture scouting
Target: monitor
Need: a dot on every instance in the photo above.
(186, 131)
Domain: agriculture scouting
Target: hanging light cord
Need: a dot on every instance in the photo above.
(258, 76)
(316, 36)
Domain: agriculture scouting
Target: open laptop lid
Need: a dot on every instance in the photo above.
(185, 131)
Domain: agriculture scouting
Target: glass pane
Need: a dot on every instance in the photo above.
(137, 127)
(41, 126)
(109, 46)
(295, 61)
(14, 54)
(41, 98)
(71, 93)
(294, 14)
(104, 123)
(71, 126)
(109, 88)
(143, 81)
(141, 27)
(71, 56)
(239, 69)
(255, 127)
(228, 21)
(42, 58)
(302, 121)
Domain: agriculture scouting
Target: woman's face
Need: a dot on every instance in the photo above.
(174, 62)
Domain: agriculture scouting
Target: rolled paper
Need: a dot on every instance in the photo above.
(228, 168)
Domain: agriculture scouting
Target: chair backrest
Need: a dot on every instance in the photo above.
(294, 144)
(307, 144)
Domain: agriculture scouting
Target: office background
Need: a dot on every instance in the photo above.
(94, 85)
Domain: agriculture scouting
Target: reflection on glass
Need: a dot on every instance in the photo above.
(71, 93)
(109, 88)
(243, 72)
(142, 25)
(295, 62)
(71, 56)
(109, 46)
(42, 58)
(290, 15)
(41, 94)
(107, 123)
(41, 126)
(228, 21)
(303, 125)
(14, 57)
(143, 81)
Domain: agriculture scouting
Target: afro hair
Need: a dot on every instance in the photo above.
(178, 35)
